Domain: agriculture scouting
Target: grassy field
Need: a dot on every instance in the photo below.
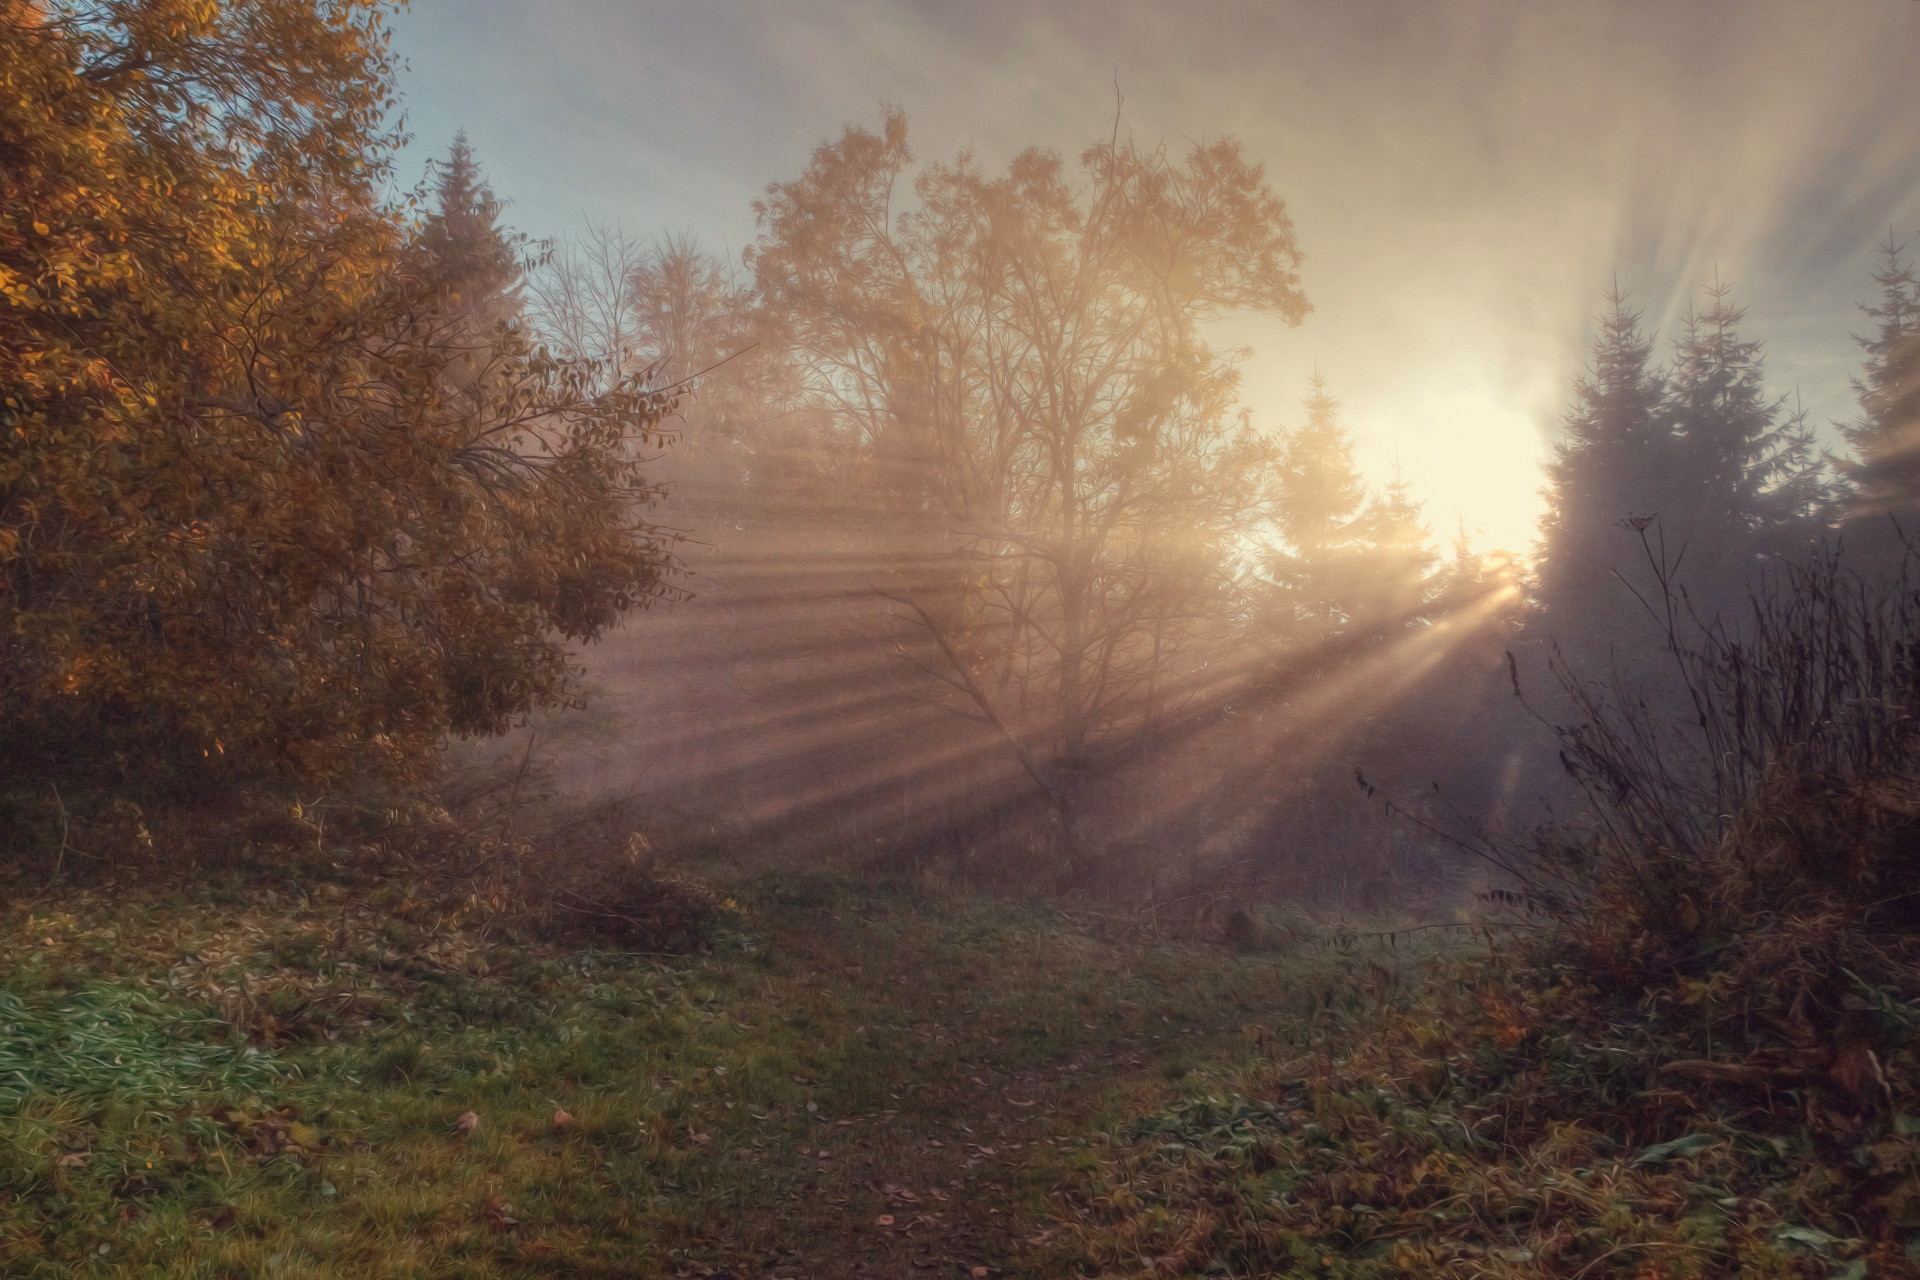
(355, 1078)
(855, 1080)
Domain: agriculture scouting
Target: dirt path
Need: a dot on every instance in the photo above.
(992, 1083)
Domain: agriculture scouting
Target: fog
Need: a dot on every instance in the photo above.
(1465, 187)
(1467, 179)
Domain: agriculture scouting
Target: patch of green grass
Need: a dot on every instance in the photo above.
(103, 1041)
(855, 1075)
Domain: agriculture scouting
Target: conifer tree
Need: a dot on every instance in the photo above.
(1749, 480)
(473, 259)
(1614, 461)
(1320, 519)
(1391, 589)
(1885, 480)
(1462, 579)
(1693, 472)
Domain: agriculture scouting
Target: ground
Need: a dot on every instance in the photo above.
(854, 1080)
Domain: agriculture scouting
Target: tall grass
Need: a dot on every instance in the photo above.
(1763, 826)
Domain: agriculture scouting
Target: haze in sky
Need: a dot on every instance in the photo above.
(1467, 179)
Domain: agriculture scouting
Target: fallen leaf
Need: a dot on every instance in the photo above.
(978, 1273)
(885, 1219)
(702, 1138)
(561, 1119)
(72, 1160)
(498, 1213)
(467, 1122)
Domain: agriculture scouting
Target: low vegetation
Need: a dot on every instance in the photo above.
(360, 1069)
(357, 1069)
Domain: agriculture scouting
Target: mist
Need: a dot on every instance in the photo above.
(1045, 640)
(1466, 189)
(1466, 180)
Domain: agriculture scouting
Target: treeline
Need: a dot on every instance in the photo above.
(1094, 553)
(287, 492)
(299, 480)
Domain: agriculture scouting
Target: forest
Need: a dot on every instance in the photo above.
(885, 751)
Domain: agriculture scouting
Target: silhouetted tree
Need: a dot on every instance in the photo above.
(1885, 479)
(1699, 451)
(1615, 459)
(1748, 480)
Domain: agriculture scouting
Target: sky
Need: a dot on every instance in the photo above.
(1467, 179)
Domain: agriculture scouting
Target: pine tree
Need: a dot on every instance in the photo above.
(1696, 459)
(1322, 505)
(1614, 462)
(475, 261)
(1392, 589)
(1750, 481)
(1463, 580)
(1885, 481)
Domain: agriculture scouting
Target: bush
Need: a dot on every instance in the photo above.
(1761, 851)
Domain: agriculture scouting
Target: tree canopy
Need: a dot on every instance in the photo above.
(271, 505)
(1017, 361)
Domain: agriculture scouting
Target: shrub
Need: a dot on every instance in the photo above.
(1760, 848)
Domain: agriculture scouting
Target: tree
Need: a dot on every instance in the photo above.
(1698, 453)
(246, 533)
(463, 246)
(1748, 479)
(1615, 461)
(1320, 522)
(1391, 591)
(1013, 367)
(1348, 568)
(1885, 480)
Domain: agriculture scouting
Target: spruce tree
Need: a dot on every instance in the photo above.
(1885, 480)
(1750, 481)
(1695, 468)
(473, 259)
(1614, 463)
(1392, 589)
(1740, 450)
(1322, 505)
(1462, 581)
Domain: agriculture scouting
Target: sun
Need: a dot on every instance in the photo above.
(1470, 447)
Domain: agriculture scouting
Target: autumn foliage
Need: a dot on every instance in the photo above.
(276, 501)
